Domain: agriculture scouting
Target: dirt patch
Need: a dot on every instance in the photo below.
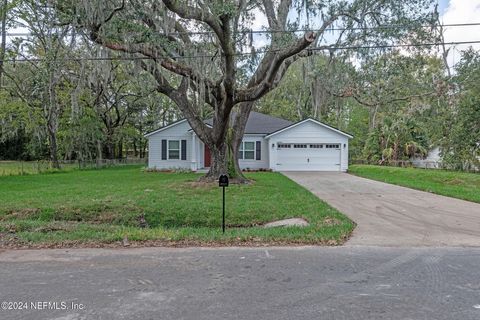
(455, 182)
(21, 213)
(329, 221)
(105, 217)
(200, 184)
(56, 226)
(11, 228)
(250, 242)
(10, 240)
(99, 214)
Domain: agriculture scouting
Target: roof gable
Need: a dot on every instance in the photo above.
(310, 120)
(173, 124)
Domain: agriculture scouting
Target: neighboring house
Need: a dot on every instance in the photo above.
(268, 143)
(431, 161)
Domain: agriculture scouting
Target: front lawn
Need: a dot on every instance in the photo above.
(455, 184)
(105, 206)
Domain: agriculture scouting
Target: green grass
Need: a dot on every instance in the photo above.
(454, 184)
(103, 206)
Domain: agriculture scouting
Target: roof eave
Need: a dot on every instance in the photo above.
(315, 121)
(164, 128)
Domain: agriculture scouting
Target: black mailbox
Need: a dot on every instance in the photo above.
(223, 181)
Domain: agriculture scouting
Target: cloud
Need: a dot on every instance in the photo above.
(259, 22)
(461, 11)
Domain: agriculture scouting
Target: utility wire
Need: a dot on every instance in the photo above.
(326, 48)
(384, 27)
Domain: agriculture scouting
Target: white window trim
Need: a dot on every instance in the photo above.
(179, 149)
(241, 150)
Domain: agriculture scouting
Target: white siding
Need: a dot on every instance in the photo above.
(308, 132)
(345, 155)
(201, 154)
(263, 163)
(177, 132)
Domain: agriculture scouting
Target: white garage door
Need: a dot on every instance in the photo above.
(308, 156)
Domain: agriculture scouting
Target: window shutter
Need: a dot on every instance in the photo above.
(184, 150)
(164, 149)
(259, 150)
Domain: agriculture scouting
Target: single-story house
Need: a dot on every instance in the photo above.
(268, 143)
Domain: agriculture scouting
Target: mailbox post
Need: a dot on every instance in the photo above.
(223, 182)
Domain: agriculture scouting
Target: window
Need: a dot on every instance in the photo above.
(316, 146)
(284, 146)
(247, 150)
(174, 149)
(300, 146)
(332, 146)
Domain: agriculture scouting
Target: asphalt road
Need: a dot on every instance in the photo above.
(244, 283)
(389, 215)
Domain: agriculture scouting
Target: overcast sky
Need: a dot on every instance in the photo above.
(460, 11)
(451, 11)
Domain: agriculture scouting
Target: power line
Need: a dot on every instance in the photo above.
(384, 27)
(327, 49)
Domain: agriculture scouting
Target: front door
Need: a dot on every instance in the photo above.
(207, 157)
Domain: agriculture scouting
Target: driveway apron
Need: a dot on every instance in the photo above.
(389, 215)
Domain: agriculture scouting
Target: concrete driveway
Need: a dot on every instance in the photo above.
(389, 215)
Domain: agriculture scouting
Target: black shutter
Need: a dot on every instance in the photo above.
(184, 150)
(164, 149)
(259, 150)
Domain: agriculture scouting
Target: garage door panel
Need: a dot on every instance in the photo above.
(308, 159)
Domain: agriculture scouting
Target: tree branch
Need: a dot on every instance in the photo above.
(191, 13)
(157, 56)
(265, 85)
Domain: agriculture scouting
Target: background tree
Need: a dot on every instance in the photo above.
(461, 142)
(49, 41)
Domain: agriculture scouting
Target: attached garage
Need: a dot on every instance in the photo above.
(309, 145)
(309, 157)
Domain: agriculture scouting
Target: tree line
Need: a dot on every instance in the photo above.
(397, 106)
(90, 78)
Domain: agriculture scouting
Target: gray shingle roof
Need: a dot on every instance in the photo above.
(259, 123)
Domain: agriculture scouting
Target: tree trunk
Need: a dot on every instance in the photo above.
(238, 132)
(51, 112)
(52, 139)
(99, 153)
(135, 150)
(219, 162)
(143, 149)
(109, 146)
(4, 37)
(120, 149)
(373, 118)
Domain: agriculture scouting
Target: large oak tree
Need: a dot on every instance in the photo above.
(204, 52)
